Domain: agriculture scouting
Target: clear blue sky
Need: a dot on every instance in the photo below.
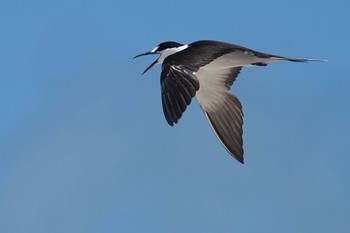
(84, 146)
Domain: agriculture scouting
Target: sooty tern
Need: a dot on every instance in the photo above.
(207, 69)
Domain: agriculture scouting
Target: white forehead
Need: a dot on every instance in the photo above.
(155, 49)
(170, 51)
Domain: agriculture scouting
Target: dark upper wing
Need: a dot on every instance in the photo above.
(178, 85)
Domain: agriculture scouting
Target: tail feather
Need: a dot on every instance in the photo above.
(304, 60)
(296, 59)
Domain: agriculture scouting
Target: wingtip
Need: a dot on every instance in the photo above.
(239, 157)
(170, 123)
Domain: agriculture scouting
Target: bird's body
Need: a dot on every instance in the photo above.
(207, 69)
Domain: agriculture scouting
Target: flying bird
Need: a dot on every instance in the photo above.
(207, 69)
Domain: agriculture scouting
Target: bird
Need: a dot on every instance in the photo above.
(207, 69)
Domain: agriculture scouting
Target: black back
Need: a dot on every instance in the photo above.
(203, 52)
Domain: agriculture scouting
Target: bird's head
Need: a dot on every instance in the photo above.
(164, 49)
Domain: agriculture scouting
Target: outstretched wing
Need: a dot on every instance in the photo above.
(221, 108)
(178, 86)
(226, 122)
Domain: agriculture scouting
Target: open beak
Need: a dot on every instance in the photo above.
(147, 53)
(143, 54)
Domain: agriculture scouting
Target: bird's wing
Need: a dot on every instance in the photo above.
(221, 108)
(178, 86)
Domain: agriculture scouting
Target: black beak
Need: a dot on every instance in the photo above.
(143, 54)
(147, 53)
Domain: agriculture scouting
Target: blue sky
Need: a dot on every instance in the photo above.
(84, 146)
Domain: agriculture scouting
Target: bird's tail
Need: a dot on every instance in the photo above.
(279, 58)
